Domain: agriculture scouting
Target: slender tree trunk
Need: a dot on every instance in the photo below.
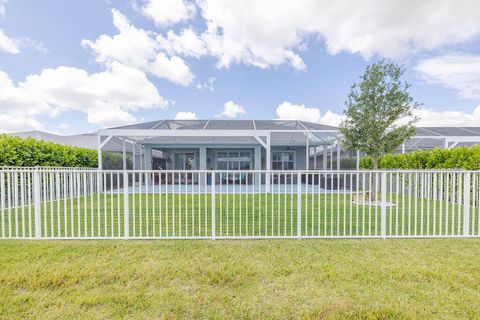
(373, 193)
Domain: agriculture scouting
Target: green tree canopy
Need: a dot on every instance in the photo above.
(379, 112)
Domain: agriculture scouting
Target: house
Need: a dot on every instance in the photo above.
(223, 144)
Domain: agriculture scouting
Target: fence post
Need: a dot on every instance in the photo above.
(466, 204)
(213, 205)
(126, 213)
(37, 207)
(383, 218)
(299, 205)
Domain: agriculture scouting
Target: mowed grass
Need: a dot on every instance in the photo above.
(241, 279)
(238, 215)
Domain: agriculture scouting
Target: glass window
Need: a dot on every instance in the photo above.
(283, 160)
(233, 160)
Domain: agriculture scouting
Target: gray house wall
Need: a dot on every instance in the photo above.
(211, 150)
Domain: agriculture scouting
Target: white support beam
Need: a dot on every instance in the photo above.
(124, 154)
(403, 148)
(307, 152)
(134, 145)
(453, 145)
(106, 141)
(99, 151)
(338, 154)
(261, 141)
(325, 157)
(183, 133)
(268, 151)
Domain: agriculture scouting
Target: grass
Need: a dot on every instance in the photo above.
(241, 279)
(260, 214)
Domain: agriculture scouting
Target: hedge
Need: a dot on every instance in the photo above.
(455, 158)
(29, 152)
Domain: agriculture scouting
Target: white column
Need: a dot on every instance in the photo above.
(258, 158)
(268, 163)
(99, 150)
(315, 158)
(331, 157)
(148, 158)
(202, 158)
(403, 148)
(141, 157)
(338, 154)
(202, 163)
(325, 156)
(307, 152)
(133, 154)
(258, 165)
(445, 144)
(124, 154)
(268, 160)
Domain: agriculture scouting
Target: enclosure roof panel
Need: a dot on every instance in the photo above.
(216, 124)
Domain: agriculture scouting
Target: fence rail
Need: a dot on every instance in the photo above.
(46, 203)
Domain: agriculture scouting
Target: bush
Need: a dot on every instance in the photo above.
(455, 158)
(29, 152)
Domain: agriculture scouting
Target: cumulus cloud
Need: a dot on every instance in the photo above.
(186, 43)
(459, 72)
(7, 44)
(289, 111)
(186, 115)
(232, 110)
(2, 7)
(432, 118)
(108, 98)
(173, 69)
(427, 117)
(168, 12)
(138, 48)
(270, 33)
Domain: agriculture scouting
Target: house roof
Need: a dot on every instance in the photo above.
(281, 132)
(272, 125)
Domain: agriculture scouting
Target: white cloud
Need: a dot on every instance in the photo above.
(2, 8)
(459, 72)
(131, 46)
(107, 97)
(427, 117)
(289, 111)
(270, 32)
(173, 69)
(7, 44)
(187, 43)
(431, 118)
(139, 49)
(168, 12)
(188, 115)
(232, 110)
(207, 85)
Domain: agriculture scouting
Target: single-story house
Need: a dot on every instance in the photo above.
(224, 144)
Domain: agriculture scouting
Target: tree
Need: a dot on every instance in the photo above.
(379, 112)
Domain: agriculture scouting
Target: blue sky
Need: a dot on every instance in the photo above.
(75, 66)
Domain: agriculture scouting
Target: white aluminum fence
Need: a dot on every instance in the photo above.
(46, 203)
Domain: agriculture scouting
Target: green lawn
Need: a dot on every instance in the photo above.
(241, 279)
(260, 214)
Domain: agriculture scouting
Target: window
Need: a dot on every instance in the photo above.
(233, 160)
(283, 160)
(184, 161)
